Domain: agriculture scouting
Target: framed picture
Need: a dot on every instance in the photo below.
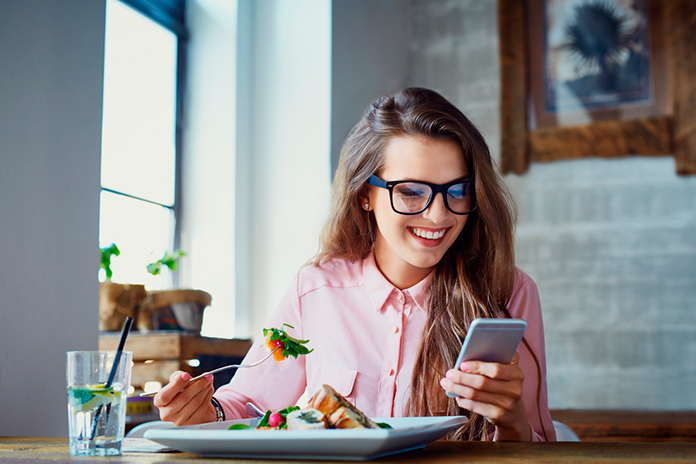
(600, 78)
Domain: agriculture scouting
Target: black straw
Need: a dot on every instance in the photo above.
(112, 374)
(121, 344)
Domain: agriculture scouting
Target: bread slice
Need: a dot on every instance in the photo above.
(351, 418)
(326, 400)
(341, 414)
(307, 419)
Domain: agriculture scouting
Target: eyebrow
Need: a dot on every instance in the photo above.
(410, 179)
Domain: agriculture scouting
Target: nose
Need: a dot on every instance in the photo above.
(437, 211)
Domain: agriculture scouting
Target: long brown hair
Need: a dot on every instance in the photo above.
(475, 277)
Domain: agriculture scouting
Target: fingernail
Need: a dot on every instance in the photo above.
(464, 367)
(209, 377)
(185, 376)
(449, 374)
(443, 383)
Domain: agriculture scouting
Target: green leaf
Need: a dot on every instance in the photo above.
(106, 254)
(264, 420)
(239, 427)
(293, 346)
(384, 425)
(168, 259)
(154, 268)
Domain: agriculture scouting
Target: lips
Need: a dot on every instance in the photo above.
(428, 234)
(428, 237)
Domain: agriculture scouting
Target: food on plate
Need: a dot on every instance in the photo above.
(341, 413)
(288, 346)
(327, 409)
(307, 419)
(276, 420)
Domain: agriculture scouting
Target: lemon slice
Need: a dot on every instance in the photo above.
(91, 397)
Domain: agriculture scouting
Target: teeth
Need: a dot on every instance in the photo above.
(429, 234)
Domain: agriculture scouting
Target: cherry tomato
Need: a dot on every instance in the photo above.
(275, 420)
(275, 343)
(278, 355)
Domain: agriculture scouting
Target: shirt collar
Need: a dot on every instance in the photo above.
(379, 288)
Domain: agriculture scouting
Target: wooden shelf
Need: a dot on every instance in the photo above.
(157, 354)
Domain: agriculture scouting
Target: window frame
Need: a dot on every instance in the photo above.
(170, 14)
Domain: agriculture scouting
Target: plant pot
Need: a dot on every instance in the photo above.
(178, 309)
(116, 302)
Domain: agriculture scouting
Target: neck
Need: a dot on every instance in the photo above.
(401, 275)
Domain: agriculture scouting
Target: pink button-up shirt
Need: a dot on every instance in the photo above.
(365, 334)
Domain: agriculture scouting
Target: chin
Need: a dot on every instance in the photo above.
(425, 262)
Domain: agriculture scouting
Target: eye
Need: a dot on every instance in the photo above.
(458, 191)
(412, 190)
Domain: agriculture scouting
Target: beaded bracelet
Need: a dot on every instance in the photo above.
(218, 409)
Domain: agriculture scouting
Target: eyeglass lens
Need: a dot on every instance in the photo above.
(411, 197)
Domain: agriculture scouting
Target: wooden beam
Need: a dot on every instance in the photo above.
(682, 34)
(606, 139)
(512, 27)
(629, 426)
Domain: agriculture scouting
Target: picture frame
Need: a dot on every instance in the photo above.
(668, 127)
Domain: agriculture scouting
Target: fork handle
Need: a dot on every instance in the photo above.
(215, 371)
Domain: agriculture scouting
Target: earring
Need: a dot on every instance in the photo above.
(366, 206)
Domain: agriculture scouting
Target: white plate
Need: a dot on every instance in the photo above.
(214, 439)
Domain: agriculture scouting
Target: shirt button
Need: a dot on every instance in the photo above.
(396, 329)
(391, 371)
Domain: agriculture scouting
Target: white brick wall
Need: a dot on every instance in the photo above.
(612, 247)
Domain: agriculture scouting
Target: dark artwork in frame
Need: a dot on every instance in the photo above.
(630, 84)
(596, 54)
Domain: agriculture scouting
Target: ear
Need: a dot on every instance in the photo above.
(364, 199)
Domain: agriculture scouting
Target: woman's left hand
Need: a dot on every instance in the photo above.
(494, 391)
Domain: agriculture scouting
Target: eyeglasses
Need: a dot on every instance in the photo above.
(412, 197)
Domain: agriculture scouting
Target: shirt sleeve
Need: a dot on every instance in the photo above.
(271, 385)
(525, 304)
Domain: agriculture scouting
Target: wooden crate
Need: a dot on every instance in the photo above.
(157, 354)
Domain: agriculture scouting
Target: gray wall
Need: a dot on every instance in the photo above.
(369, 56)
(610, 243)
(51, 61)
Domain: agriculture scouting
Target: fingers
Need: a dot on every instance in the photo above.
(183, 402)
(481, 388)
(505, 396)
(494, 391)
(195, 407)
(177, 382)
(498, 371)
(491, 388)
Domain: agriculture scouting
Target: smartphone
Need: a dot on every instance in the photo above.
(491, 340)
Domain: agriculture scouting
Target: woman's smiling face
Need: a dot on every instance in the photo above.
(408, 247)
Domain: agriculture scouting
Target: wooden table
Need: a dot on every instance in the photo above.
(39, 450)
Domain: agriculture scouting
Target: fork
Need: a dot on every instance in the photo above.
(219, 369)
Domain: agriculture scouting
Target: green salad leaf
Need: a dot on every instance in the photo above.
(290, 346)
(239, 427)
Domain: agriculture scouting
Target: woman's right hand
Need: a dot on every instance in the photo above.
(185, 403)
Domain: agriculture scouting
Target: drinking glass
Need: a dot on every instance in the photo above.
(97, 409)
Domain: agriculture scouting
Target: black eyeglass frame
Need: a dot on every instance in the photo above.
(435, 189)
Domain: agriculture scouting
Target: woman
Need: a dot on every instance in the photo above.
(418, 244)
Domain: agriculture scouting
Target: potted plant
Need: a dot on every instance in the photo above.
(174, 309)
(116, 301)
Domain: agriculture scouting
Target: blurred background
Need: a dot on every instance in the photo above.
(254, 99)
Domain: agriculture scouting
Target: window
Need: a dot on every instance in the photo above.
(139, 137)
